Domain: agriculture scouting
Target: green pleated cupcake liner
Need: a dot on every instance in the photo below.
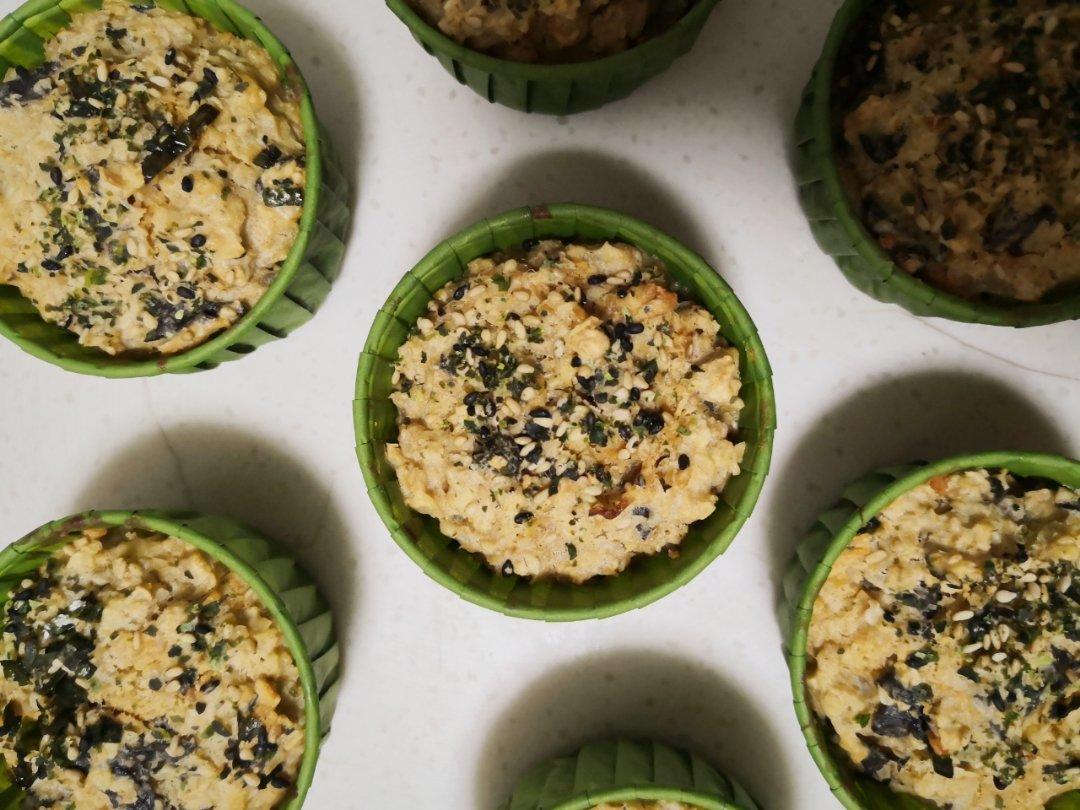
(467, 574)
(289, 594)
(839, 231)
(557, 89)
(623, 771)
(814, 558)
(304, 279)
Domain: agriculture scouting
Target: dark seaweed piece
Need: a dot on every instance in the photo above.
(268, 157)
(960, 153)
(920, 658)
(969, 672)
(921, 598)
(206, 85)
(1065, 706)
(83, 91)
(872, 210)
(114, 35)
(913, 696)
(22, 86)
(171, 318)
(891, 721)
(169, 142)
(1006, 228)
(882, 148)
(943, 765)
(281, 192)
(878, 757)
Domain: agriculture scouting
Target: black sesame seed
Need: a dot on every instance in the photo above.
(597, 278)
(684, 461)
(635, 394)
(575, 361)
(155, 684)
(522, 517)
(459, 293)
(188, 183)
(185, 292)
(507, 568)
(175, 651)
(56, 176)
(200, 707)
(50, 264)
(198, 240)
(170, 57)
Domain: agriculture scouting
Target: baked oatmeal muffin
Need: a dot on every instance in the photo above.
(561, 410)
(958, 137)
(153, 178)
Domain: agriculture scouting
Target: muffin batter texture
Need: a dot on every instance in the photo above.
(141, 673)
(151, 178)
(944, 647)
(561, 410)
(550, 30)
(958, 135)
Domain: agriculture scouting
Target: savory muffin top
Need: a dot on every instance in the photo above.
(561, 410)
(551, 30)
(959, 141)
(141, 673)
(152, 170)
(944, 647)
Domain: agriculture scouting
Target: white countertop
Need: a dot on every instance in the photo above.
(443, 703)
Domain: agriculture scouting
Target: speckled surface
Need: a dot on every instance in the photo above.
(443, 704)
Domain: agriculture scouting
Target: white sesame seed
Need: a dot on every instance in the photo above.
(963, 615)
(970, 648)
(1064, 583)
(1004, 596)
(998, 657)
(1013, 67)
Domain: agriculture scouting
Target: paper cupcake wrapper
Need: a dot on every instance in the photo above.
(305, 277)
(814, 558)
(557, 89)
(290, 596)
(839, 231)
(647, 578)
(625, 770)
